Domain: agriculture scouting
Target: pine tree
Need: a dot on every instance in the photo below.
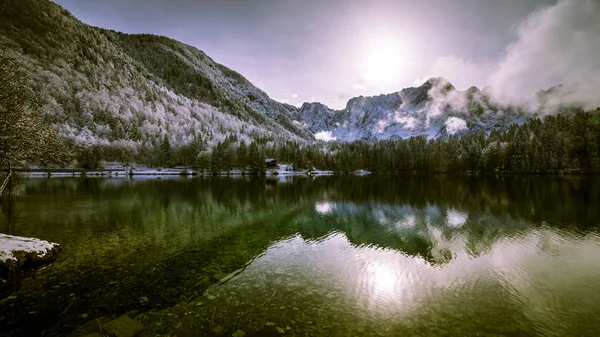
(196, 147)
(257, 160)
(165, 149)
(216, 160)
(242, 155)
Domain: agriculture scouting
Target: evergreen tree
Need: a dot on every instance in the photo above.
(242, 155)
(216, 161)
(196, 147)
(165, 149)
(257, 160)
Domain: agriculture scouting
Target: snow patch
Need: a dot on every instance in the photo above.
(382, 125)
(455, 124)
(10, 244)
(325, 136)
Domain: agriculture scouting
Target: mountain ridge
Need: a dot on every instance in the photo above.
(434, 108)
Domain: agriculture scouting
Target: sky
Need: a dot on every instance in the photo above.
(330, 51)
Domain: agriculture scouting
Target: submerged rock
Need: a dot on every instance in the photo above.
(18, 252)
(123, 327)
(239, 333)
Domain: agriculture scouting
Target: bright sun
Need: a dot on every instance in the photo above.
(384, 61)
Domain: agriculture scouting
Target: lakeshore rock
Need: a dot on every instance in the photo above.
(17, 253)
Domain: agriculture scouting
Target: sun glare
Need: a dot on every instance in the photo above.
(384, 60)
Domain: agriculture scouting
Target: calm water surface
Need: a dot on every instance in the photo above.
(325, 256)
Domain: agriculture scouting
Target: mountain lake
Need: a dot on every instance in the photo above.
(308, 256)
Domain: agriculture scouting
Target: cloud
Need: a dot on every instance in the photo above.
(462, 73)
(558, 44)
(410, 123)
(281, 100)
(325, 136)
(294, 95)
(358, 86)
(455, 124)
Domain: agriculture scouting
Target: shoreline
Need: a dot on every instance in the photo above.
(192, 172)
(183, 172)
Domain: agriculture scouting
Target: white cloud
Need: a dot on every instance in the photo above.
(358, 86)
(325, 136)
(558, 44)
(294, 95)
(455, 124)
(462, 73)
(281, 100)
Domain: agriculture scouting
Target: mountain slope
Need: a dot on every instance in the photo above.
(102, 87)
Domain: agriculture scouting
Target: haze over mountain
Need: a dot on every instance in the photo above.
(98, 86)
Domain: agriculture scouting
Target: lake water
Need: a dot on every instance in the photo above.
(324, 256)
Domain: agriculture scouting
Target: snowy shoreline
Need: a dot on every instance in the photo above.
(121, 171)
(18, 252)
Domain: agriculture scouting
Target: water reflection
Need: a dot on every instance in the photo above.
(538, 274)
(327, 256)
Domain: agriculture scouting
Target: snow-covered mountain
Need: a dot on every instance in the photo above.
(433, 109)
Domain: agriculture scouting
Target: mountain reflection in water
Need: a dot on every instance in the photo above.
(326, 256)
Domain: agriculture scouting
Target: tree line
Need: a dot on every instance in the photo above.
(566, 142)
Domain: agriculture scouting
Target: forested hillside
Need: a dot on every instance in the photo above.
(124, 93)
(566, 142)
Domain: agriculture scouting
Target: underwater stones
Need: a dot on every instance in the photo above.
(239, 333)
(123, 327)
(280, 330)
(270, 324)
(18, 252)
